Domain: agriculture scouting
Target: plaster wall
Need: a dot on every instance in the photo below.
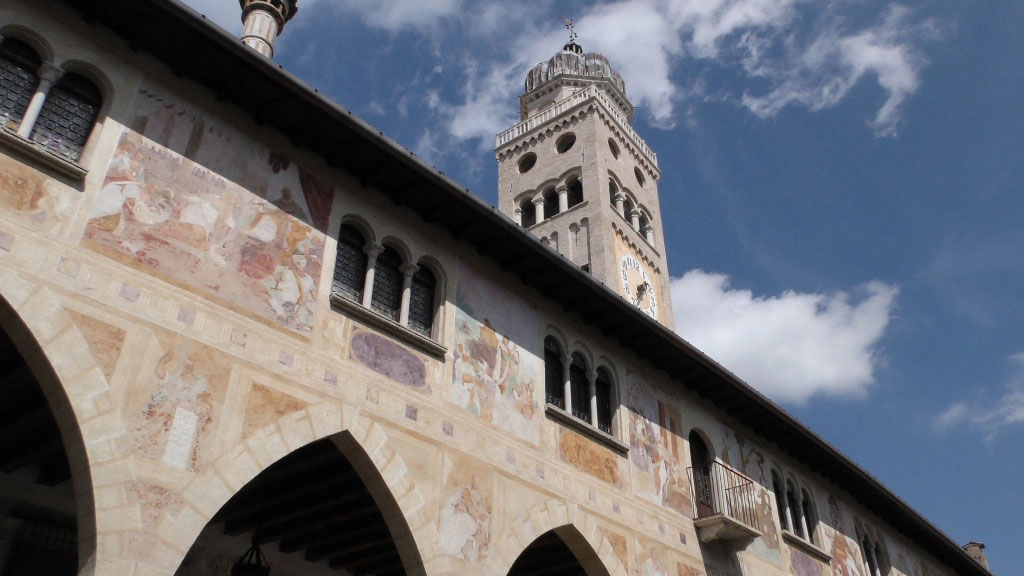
(181, 294)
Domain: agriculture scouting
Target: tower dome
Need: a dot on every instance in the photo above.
(572, 61)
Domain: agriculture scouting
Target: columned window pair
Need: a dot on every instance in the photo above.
(572, 386)
(795, 508)
(874, 558)
(376, 277)
(553, 201)
(53, 108)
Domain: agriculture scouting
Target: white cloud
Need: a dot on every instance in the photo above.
(986, 415)
(398, 15)
(792, 346)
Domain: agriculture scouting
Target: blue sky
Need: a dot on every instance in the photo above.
(842, 192)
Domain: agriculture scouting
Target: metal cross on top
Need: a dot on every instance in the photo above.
(569, 27)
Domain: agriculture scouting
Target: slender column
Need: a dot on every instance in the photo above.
(563, 198)
(620, 204)
(48, 76)
(592, 390)
(517, 216)
(372, 251)
(408, 270)
(634, 219)
(649, 234)
(538, 209)
(785, 508)
(566, 360)
(803, 518)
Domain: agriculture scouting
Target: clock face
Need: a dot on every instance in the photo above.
(637, 285)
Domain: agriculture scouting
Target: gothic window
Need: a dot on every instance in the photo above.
(700, 460)
(421, 301)
(18, 80)
(603, 388)
(794, 509)
(579, 388)
(554, 386)
(780, 500)
(810, 518)
(386, 298)
(550, 203)
(67, 116)
(350, 265)
(527, 213)
(575, 192)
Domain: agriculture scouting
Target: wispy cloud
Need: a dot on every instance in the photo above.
(792, 346)
(988, 415)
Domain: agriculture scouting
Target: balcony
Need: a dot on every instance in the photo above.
(724, 504)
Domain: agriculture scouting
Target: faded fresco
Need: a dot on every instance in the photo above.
(585, 455)
(389, 359)
(191, 200)
(743, 455)
(466, 511)
(494, 377)
(171, 413)
(653, 560)
(846, 559)
(801, 564)
(33, 198)
(618, 543)
(654, 448)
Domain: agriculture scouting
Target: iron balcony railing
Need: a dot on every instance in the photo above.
(718, 489)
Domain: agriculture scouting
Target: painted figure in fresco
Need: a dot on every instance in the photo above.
(651, 566)
(844, 563)
(466, 523)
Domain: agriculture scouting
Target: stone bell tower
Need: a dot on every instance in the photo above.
(263, 21)
(576, 175)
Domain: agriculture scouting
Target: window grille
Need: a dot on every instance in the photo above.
(604, 402)
(42, 547)
(18, 80)
(578, 387)
(421, 301)
(554, 387)
(67, 117)
(387, 284)
(350, 266)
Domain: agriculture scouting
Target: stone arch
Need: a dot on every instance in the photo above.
(74, 387)
(361, 440)
(575, 527)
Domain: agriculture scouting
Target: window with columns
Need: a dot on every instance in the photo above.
(575, 193)
(572, 386)
(527, 213)
(795, 507)
(376, 277)
(875, 562)
(54, 109)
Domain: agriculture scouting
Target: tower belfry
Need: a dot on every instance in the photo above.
(263, 21)
(576, 175)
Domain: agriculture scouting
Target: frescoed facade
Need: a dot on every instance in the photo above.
(239, 324)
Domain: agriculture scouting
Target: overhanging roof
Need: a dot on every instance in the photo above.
(192, 48)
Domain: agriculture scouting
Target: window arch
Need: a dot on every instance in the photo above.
(554, 385)
(350, 264)
(603, 390)
(386, 298)
(795, 514)
(628, 207)
(810, 514)
(613, 191)
(579, 396)
(550, 203)
(780, 500)
(421, 300)
(700, 461)
(575, 192)
(527, 213)
(68, 115)
(19, 64)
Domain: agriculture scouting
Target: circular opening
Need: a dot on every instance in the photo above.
(613, 147)
(639, 176)
(527, 162)
(565, 143)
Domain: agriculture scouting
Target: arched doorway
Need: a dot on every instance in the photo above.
(561, 552)
(700, 460)
(39, 515)
(312, 514)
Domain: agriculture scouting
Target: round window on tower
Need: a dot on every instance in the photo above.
(565, 143)
(527, 162)
(639, 176)
(613, 147)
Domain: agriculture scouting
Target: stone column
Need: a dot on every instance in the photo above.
(634, 219)
(620, 204)
(592, 390)
(517, 216)
(538, 209)
(48, 76)
(372, 251)
(567, 392)
(648, 232)
(563, 198)
(408, 270)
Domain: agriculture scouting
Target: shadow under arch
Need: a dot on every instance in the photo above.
(24, 379)
(340, 501)
(563, 551)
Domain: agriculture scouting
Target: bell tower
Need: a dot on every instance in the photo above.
(263, 21)
(576, 175)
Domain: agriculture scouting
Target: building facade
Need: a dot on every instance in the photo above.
(241, 325)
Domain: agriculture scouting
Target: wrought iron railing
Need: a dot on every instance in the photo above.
(572, 101)
(718, 489)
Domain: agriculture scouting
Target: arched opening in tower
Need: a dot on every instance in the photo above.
(38, 514)
(311, 513)
(561, 552)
